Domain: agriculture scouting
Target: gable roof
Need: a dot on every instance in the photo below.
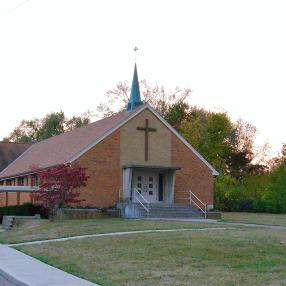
(59, 149)
(9, 151)
(69, 146)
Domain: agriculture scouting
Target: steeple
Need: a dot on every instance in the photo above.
(135, 99)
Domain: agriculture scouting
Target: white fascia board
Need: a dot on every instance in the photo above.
(214, 171)
(18, 189)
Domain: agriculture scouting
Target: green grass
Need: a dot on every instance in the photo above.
(32, 230)
(257, 218)
(233, 257)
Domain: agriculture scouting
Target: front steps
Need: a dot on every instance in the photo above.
(133, 210)
(7, 222)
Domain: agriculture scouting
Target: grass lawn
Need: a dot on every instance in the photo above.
(243, 256)
(42, 229)
(258, 218)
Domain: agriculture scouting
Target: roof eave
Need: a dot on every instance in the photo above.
(214, 171)
(146, 106)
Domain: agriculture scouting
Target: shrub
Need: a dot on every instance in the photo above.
(26, 209)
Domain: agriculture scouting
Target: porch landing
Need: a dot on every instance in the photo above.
(159, 210)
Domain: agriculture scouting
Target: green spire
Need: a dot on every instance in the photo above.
(135, 99)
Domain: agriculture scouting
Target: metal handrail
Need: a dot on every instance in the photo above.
(196, 197)
(136, 192)
(204, 209)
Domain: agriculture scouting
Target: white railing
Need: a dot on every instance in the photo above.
(198, 203)
(18, 189)
(137, 197)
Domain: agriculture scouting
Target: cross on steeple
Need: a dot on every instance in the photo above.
(146, 129)
(135, 52)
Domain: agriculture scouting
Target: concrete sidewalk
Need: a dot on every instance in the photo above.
(19, 269)
(213, 221)
(120, 234)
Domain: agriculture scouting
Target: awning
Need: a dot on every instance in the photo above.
(18, 189)
(166, 168)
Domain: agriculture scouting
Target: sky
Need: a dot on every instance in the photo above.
(65, 54)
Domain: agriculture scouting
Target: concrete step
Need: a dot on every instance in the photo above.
(163, 211)
(132, 210)
(170, 209)
(7, 222)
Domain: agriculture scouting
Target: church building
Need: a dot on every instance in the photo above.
(133, 158)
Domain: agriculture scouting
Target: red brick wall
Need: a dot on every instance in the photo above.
(194, 174)
(13, 198)
(103, 168)
(2, 199)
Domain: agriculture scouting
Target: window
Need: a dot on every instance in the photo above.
(34, 180)
(150, 193)
(150, 179)
(21, 181)
(139, 178)
(151, 186)
(139, 185)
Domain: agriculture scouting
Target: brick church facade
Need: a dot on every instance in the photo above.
(134, 152)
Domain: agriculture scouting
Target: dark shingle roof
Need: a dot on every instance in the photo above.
(9, 151)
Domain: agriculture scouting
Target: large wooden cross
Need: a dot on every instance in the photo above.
(146, 129)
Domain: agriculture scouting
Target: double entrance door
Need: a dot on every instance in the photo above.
(148, 184)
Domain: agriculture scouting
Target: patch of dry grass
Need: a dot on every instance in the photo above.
(32, 230)
(220, 258)
(257, 218)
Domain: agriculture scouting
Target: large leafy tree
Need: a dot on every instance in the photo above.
(240, 160)
(227, 145)
(55, 123)
(206, 131)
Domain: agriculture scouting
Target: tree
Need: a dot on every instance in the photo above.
(59, 186)
(177, 113)
(55, 123)
(217, 147)
(279, 160)
(208, 132)
(157, 96)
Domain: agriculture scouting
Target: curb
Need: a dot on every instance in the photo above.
(10, 280)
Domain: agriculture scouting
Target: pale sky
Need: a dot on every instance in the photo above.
(65, 54)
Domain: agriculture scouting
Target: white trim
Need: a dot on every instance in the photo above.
(145, 106)
(15, 189)
(214, 171)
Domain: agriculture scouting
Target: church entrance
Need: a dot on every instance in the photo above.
(147, 184)
(154, 183)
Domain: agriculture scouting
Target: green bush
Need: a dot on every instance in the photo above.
(253, 193)
(26, 209)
